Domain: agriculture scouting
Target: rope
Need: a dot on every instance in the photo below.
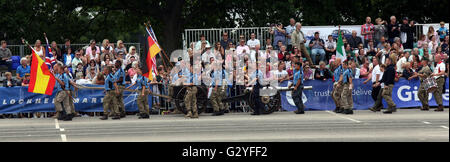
(128, 90)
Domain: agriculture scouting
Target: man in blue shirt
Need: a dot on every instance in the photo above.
(70, 89)
(337, 87)
(110, 101)
(61, 97)
(142, 99)
(217, 77)
(257, 77)
(23, 69)
(119, 78)
(346, 96)
(190, 99)
(298, 89)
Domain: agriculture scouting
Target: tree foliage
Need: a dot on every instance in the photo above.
(82, 20)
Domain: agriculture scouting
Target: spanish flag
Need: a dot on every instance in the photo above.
(41, 81)
(151, 49)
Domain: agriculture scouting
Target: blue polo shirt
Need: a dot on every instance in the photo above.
(218, 76)
(255, 74)
(347, 75)
(70, 78)
(22, 71)
(337, 73)
(298, 77)
(142, 82)
(63, 77)
(109, 82)
(120, 73)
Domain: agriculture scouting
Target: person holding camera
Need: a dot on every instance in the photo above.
(298, 40)
(279, 35)
(317, 48)
(393, 29)
(407, 35)
(380, 31)
(367, 30)
(289, 30)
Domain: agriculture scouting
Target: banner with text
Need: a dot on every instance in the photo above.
(319, 98)
(18, 99)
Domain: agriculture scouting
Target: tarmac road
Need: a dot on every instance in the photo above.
(409, 125)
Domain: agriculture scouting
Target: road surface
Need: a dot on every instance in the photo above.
(409, 125)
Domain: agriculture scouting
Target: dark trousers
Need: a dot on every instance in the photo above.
(259, 106)
(375, 93)
(377, 97)
(297, 96)
(6, 63)
(408, 45)
(235, 91)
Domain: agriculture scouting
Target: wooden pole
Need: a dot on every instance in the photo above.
(147, 25)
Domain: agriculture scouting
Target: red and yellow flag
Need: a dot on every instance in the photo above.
(41, 81)
(151, 49)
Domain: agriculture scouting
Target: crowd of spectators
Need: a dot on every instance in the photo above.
(84, 65)
(393, 39)
(376, 43)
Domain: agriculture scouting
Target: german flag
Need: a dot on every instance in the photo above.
(151, 49)
(41, 81)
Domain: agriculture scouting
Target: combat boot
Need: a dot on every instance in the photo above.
(425, 108)
(144, 116)
(188, 115)
(337, 110)
(68, 117)
(123, 115)
(195, 115)
(105, 117)
(394, 109)
(62, 116)
(373, 109)
(299, 112)
(57, 115)
(116, 117)
(388, 111)
(440, 108)
(348, 112)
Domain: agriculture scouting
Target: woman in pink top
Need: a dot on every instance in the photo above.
(365, 72)
(422, 41)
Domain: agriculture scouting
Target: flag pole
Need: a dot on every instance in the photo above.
(26, 43)
(162, 58)
(147, 25)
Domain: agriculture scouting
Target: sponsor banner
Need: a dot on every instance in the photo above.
(324, 31)
(18, 99)
(319, 98)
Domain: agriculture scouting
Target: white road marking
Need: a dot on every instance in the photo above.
(63, 138)
(357, 121)
(56, 124)
(425, 122)
(444, 127)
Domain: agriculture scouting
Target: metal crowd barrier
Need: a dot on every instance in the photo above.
(22, 50)
(215, 35)
(262, 33)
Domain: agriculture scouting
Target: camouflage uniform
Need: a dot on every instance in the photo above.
(191, 101)
(337, 87)
(142, 100)
(110, 99)
(346, 96)
(423, 94)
